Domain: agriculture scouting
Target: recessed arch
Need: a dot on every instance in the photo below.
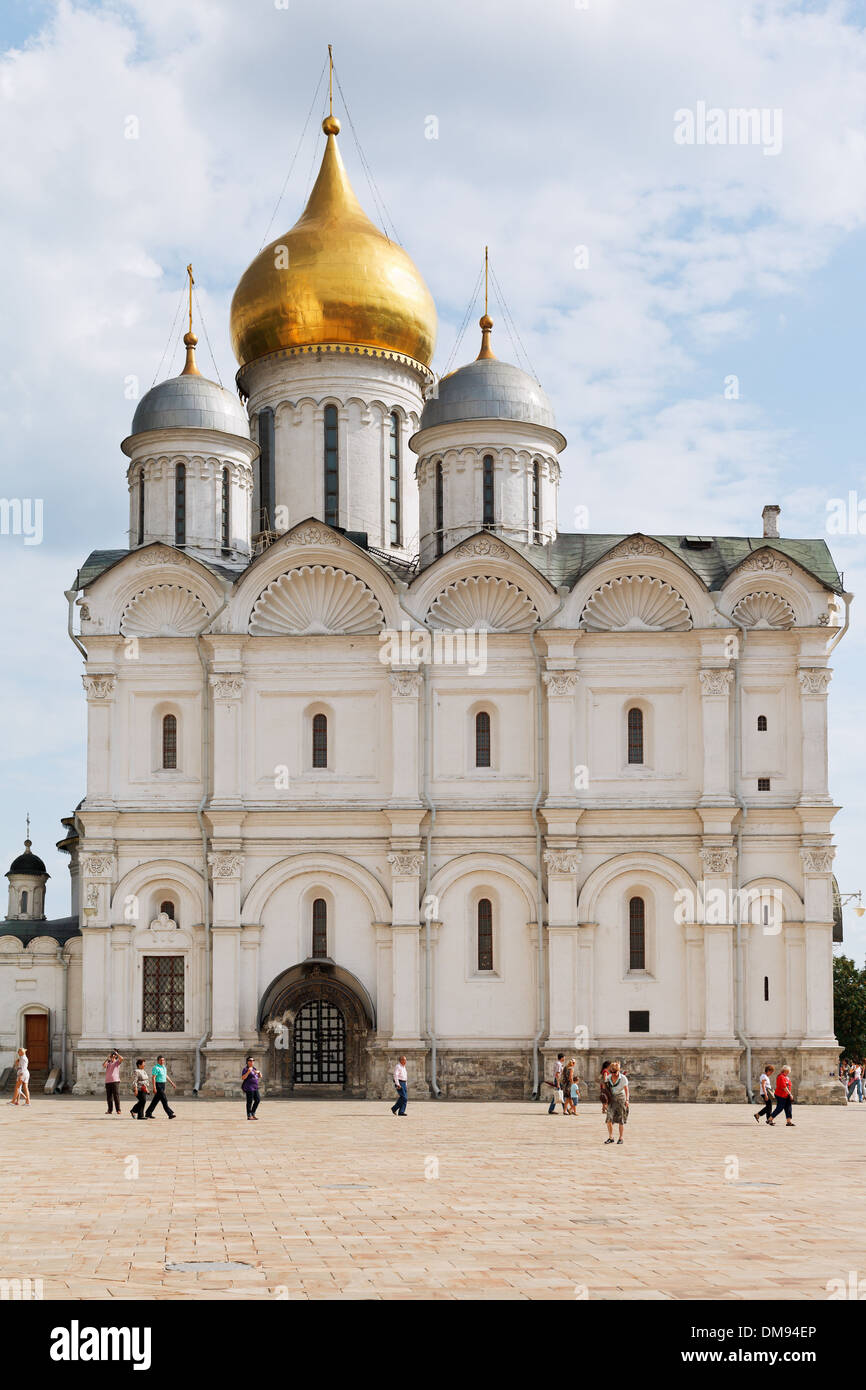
(319, 865)
(501, 865)
(636, 864)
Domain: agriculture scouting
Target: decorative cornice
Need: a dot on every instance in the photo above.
(716, 681)
(481, 545)
(562, 861)
(226, 865)
(312, 535)
(406, 865)
(227, 686)
(766, 560)
(99, 687)
(636, 545)
(560, 682)
(818, 859)
(718, 859)
(405, 684)
(815, 680)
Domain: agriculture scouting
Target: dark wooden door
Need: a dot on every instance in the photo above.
(36, 1040)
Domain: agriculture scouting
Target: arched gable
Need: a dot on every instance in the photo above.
(141, 572)
(481, 555)
(642, 556)
(636, 864)
(273, 878)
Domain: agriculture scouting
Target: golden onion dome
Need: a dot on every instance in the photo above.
(335, 278)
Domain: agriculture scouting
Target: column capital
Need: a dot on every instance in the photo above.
(560, 683)
(227, 685)
(405, 683)
(718, 859)
(406, 863)
(100, 686)
(817, 859)
(715, 681)
(562, 861)
(815, 680)
(223, 864)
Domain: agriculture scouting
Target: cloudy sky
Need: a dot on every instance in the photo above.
(643, 273)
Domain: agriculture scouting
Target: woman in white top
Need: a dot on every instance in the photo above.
(22, 1078)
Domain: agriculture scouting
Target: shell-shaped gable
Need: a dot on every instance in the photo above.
(764, 610)
(482, 603)
(636, 603)
(164, 610)
(315, 599)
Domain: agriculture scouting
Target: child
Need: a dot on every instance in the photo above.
(22, 1078)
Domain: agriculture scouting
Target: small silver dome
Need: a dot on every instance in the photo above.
(190, 402)
(488, 389)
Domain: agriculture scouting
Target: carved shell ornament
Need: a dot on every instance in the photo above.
(482, 603)
(636, 603)
(315, 599)
(164, 610)
(763, 610)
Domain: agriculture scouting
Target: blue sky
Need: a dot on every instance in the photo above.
(555, 131)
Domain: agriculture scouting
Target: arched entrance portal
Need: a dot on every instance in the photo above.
(317, 1019)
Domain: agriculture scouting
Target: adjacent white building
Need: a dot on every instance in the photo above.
(380, 761)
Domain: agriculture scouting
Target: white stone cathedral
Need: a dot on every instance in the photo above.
(381, 761)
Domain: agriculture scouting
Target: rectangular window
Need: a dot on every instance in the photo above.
(394, 474)
(163, 995)
(638, 1021)
(536, 502)
(267, 505)
(332, 466)
(180, 504)
(487, 500)
(763, 784)
(440, 510)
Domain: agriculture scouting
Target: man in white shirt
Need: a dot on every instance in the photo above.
(766, 1095)
(401, 1081)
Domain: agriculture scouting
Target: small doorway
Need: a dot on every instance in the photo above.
(320, 1044)
(36, 1040)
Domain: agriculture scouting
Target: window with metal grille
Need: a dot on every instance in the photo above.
(638, 1021)
(266, 470)
(320, 740)
(141, 506)
(487, 517)
(636, 934)
(163, 994)
(180, 504)
(485, 934)
(169, 741)
(762, 723)
(482, 739)
(332, 467)
(168, 908)
(536, 500)
(226, 511)
(320, 927)
(394, 470)
(440, 510)
(763, 784)
(635, 735)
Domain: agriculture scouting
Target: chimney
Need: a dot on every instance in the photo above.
(770, 516)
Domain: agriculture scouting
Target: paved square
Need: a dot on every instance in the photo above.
(319, 1199)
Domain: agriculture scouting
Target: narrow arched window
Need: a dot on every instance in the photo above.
(226, 511)
(320, 740)
(332, 467)
(180, 504)
(141, 506)
(394, 476)
(24, 900)
(487, 517)
(320, 927)
(536, 501)
(482, 739)
(762, 723)
(168, 908)
(485, 934)
(635, 735)
(440, 510)
(766, 989)
(169, 741)
(636, 934)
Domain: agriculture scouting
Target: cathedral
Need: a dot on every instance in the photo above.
(380, 761)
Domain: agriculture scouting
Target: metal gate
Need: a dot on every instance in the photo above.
(320, 1044)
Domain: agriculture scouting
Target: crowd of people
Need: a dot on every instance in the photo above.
(613, 1093)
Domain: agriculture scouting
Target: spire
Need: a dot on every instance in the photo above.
(189, 338)
(27, 840)
(485, 323)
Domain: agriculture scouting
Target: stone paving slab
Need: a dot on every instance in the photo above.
(469, 1201)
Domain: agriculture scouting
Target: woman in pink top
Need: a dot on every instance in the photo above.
(111, 1067)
